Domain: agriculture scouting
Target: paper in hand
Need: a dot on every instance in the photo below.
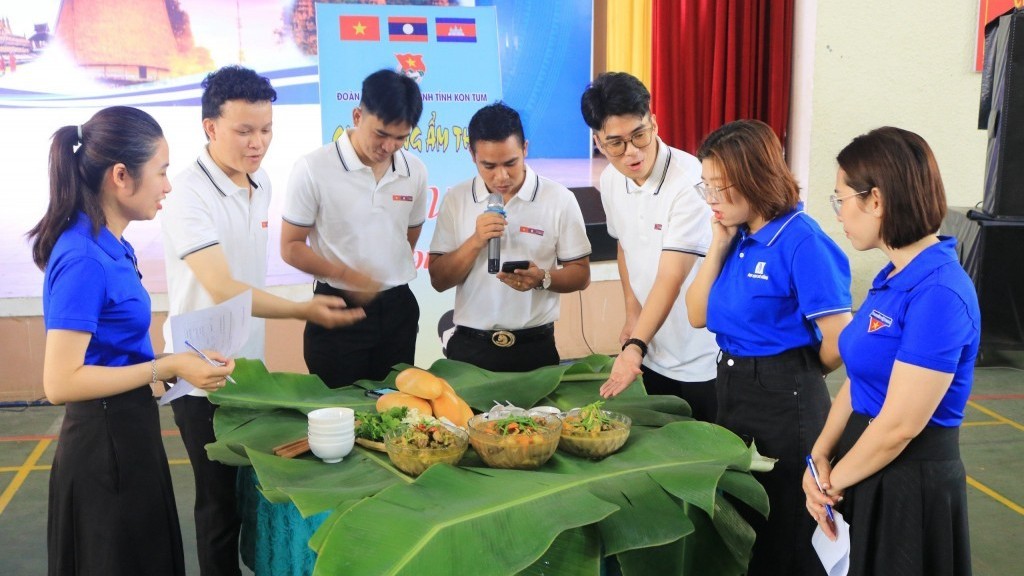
(835, 556)
(224, 328)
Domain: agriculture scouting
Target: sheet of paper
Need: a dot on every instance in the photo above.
(224, 328)
(835, 556)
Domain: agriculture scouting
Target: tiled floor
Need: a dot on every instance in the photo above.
(992, 442)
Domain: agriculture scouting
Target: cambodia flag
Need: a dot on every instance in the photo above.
(360, 28)
(455, 29)
(407, 29)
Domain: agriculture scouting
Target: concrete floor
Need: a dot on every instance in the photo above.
(992, 441)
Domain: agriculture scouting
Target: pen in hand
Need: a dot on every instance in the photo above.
(211, 362)
(817, 482)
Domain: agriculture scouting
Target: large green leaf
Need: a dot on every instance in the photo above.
(657, 503)
(514, 516)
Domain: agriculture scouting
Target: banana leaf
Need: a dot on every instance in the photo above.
(657, 504)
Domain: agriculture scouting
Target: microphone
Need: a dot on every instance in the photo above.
(494, 204)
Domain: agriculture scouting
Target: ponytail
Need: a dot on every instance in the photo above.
(113, 135)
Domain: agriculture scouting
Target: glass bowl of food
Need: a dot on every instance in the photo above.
(418, 446)
(594, 433)
(515, 441)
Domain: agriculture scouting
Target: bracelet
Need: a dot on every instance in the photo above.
(639, 344)
(152, 369)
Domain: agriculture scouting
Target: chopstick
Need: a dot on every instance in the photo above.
(293, 448)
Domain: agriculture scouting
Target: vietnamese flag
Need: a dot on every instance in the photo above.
(360, 28)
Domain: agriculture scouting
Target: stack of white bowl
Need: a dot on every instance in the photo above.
(332, 433)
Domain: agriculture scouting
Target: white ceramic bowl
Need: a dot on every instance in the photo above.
(332, 415)
(341, 437)
(331, 452)
(331, 428)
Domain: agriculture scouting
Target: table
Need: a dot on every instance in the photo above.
(657, 503)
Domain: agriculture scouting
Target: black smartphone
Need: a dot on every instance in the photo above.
(379, 392)
(511, 266)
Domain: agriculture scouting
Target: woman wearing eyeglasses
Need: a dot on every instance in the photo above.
(775, 291)
(910, 349)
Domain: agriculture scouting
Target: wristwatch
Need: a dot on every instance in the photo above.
(545, 283)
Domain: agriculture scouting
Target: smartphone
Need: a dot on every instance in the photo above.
(379, 392)
(511, 266)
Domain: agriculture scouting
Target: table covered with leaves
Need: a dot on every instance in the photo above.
(657, 504)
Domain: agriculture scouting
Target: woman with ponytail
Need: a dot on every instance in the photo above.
(111, 505)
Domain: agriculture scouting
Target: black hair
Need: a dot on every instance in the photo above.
(115, 135)
(392, 97)
(495, 123)
(234, 83)
(901, 165)
(614, 94)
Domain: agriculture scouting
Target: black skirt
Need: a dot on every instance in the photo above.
(111, 509)
(910, 518)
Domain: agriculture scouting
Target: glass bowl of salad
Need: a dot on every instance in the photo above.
(420, 445)
(594, 433)
(523, 442)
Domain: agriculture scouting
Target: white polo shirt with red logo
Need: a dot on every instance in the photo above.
(666, 213)
(545, 225)
(353, 218)
(205, 208)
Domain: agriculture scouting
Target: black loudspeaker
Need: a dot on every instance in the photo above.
(1003, 102)
(602, 246)
(990, 250)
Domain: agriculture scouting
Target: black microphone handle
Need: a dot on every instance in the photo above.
(493, 255)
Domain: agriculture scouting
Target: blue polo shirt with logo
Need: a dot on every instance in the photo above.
(927, 315)
(92, 284)
(774, 284)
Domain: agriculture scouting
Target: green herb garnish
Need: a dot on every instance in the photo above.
(593, 417)
(374, 426)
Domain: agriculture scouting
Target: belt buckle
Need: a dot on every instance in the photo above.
(503, 338)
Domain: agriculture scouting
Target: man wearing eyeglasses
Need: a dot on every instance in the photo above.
(663, 230)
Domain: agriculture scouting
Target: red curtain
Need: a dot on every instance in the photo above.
(716, 61)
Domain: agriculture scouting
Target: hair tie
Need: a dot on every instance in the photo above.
(79, 133)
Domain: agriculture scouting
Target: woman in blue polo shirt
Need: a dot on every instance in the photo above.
(909, 351)
(111, 507)
(775, 291)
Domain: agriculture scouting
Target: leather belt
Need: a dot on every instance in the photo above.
(509, 338)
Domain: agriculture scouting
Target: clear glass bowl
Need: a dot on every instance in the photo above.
(594, 444)
(414, 461)
(522, 452)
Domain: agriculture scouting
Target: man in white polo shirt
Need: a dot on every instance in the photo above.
(504, 321)
(215, 244)
(663, 229)
(361, 202)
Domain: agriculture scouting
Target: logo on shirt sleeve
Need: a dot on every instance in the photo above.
(528, 230)
(657, 226)
(401, 198)
(263, 224)
(877, 321)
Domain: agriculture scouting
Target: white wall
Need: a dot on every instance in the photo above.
(906, 63)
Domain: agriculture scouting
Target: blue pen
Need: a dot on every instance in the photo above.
(814, 474)
(211, 362)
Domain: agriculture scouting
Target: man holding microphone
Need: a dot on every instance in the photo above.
(505, 319)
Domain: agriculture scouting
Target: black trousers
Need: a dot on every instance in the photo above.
(528, 353)
(367, 349)
(701, 396)
(216, 512)
(779, 402)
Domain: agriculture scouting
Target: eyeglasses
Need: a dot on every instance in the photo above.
(837, 202)
(639, 139)
(710, 193)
